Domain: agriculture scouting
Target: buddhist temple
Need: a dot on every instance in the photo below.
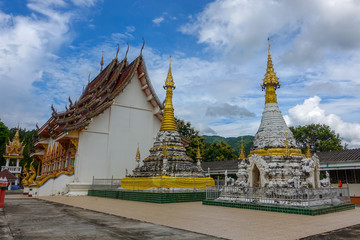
(13, 156)
(275, 160)
(167, 166)
(91, 136)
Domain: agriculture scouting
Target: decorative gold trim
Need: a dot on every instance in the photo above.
(75, 142)
(168, 147)
(170, 157)
(277, 151)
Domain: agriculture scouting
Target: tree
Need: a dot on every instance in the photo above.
(321, 137)
(209, 151)
(218, 152)
(190, 135)
(4, 136)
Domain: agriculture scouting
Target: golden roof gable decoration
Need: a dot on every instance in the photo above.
(15, 147)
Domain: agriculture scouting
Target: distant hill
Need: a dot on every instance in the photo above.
(234, 142)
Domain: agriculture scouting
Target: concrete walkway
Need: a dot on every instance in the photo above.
(26, 219)
(222, 222)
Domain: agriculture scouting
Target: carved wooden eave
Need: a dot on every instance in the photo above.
(148, 89)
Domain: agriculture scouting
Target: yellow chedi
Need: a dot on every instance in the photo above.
(168, 122)
(168, 166)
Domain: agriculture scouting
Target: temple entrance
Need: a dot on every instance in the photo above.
(256, 182)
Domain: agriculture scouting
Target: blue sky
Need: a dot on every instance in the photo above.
(219, 51)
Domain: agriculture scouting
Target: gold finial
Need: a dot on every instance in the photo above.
(271, 81)
(16, 137)
(102, 62)
(242, 153)
(138, 152)
(169, 79)
(308, 152)
(198, 154)
(165, 153)
(117, 52)
(168, 122)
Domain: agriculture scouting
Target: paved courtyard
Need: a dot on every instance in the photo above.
(64, 217)
(38, 219)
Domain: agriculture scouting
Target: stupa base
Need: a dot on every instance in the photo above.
(161, 182)
(152, 197)
(311, 211)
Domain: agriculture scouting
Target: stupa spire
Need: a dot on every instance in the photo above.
(242, 153)
(137, 158)
(198, 154)
(138, 153)
(308, 152)
(271, 81)
(168, 122)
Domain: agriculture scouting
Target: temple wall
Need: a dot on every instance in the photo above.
(107, 147)
(57, 186)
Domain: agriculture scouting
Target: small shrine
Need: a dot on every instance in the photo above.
(13, 156)
(167, 166)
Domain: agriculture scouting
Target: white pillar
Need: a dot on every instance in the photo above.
(7, 161)
(17, 162)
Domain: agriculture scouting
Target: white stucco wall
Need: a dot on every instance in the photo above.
(108, 145)
(57, 186)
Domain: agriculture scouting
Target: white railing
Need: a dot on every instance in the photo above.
(105, 183)
(299, 197)
(12, 169)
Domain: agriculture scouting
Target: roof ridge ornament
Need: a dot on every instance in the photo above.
(102, 62)
(127, 50)
(142, 46)
(117, 52)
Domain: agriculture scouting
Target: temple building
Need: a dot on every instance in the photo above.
(275, 160)
(167, 166)
(13, 156)
(91, 137)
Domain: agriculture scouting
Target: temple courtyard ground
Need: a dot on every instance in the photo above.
(84, 217)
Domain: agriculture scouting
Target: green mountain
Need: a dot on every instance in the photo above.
(234, 142)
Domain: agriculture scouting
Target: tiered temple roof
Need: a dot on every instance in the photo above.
(99, 95)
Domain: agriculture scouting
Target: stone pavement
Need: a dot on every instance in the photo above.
(352, 232)
(39, 219)
(222, 222)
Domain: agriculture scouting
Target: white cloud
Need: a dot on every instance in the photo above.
(308, 29)
(158, 20)
(310, 111)
(29, 46)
